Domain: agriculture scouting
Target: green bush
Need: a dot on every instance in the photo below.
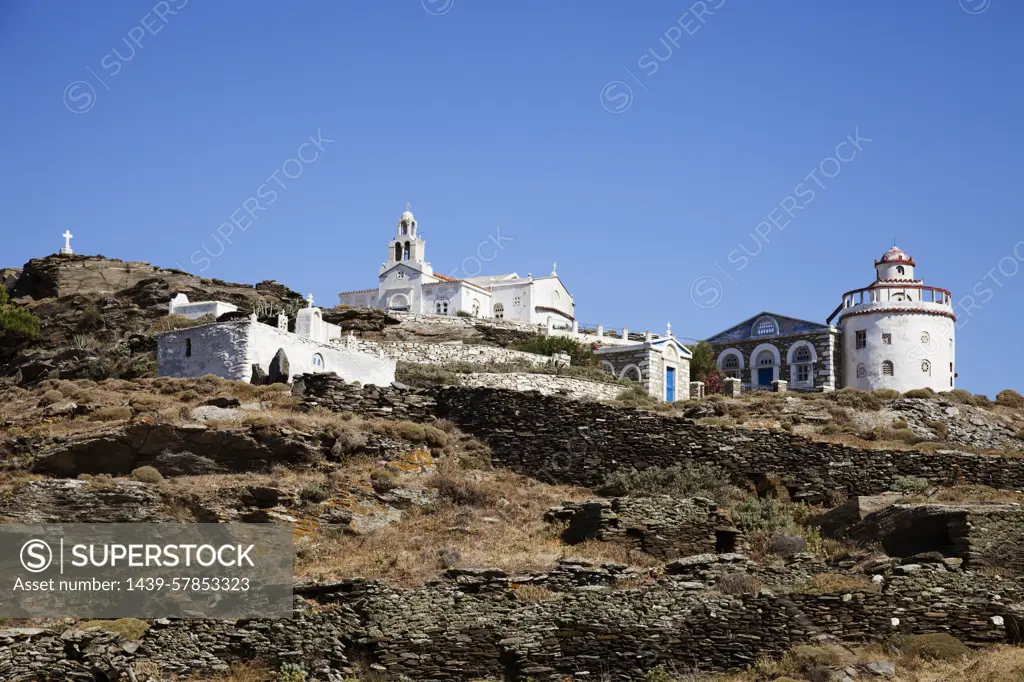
(1009, 398)
(636, 395)
(910, 484)
(16, 322)
(940, 428)
(292, 672)
(382, 481)
(703, 361)
(959, 395)
(766, 515)
(851, 397)
(886, 393)
(698, 480)
(926, 393)
(147, 475)
(934, 647)
(314, 492)
(581, 354)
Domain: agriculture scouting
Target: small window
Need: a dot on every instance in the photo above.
(803, 373)
(730, 362)
(401, 274)
(862, 339)
(925, 338)
(516, 301)
(886, 339)
(899, 269)
(887, 369)
(188, 348)
(765, 327)
(926, 367)
(632, 373)
(803, 354)
(862, 371)
(318, 361)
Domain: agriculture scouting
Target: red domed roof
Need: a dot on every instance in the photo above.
(895, 255)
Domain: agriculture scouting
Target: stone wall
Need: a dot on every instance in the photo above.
(471, 625)
(440, 353)
(559, 440)
(661, 526)
(547, 384)
(825, 371)
(566, 441)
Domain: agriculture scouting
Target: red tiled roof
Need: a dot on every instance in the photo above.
(544, 308)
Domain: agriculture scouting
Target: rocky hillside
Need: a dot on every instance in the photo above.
(97, 314)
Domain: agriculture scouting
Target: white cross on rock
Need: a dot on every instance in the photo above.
(66, 249)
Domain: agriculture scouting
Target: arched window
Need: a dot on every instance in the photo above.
(730, 362)
(632, 372)
(476, 308)
(499, 311)
(398, 252)
(405, 228)
(555, 297)
(926, 367)
(887, 369)
(802, 365)
(862, 371)
(766, 326)
(765, 359)
(899, 269)
(318, 361)
(406, 252)
(188, 348)
(608, 366)
(925, 338)
(803, 354)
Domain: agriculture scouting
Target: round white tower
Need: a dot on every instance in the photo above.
(898, 333)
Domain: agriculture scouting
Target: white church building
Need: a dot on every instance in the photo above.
(407, 282)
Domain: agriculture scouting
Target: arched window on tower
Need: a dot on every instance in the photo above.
(899, 269)
(406, 252)
(398, 252)
(887, 368)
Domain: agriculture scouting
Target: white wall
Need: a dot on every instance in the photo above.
(180, 305)
(229, 349)
(907, 351)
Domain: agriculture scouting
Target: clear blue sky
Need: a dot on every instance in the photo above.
(487, 114)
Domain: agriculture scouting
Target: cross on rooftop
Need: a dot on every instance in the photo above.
(67, 242)
(309, 300)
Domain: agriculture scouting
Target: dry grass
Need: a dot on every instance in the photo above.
(832, 583)
(498, 524)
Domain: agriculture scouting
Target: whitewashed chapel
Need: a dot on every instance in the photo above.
(407, 282)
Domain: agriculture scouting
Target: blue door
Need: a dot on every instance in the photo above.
(670, 384)
(765, 375)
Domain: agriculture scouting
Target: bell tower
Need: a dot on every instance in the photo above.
(406, 246)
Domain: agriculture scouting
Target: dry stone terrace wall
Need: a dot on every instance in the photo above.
(560, 440)
(471, 626)
(440, 353)
(569, 387)
(566, 441)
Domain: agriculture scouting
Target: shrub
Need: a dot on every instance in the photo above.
(109, 414)
(830, 583)
(981, 400)
(147, 475)
(50, 397)
(448, 557)
(314, 492)
(698, 480)
(14, 321)
(1009, 398)
(1020, 434)
(459, 492)
(886, 393)
(940, 428)
(959, 395)
(935, 647)
(348, 443)
(382, 481)
(899, 423)
(636, 395)
(861, 400)
(925, 393)
(128, 628)
(292, 672)
(580, 353)
(738, 583)
(787, 545)
(766, 515)
(910, 484)
(435, 437)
